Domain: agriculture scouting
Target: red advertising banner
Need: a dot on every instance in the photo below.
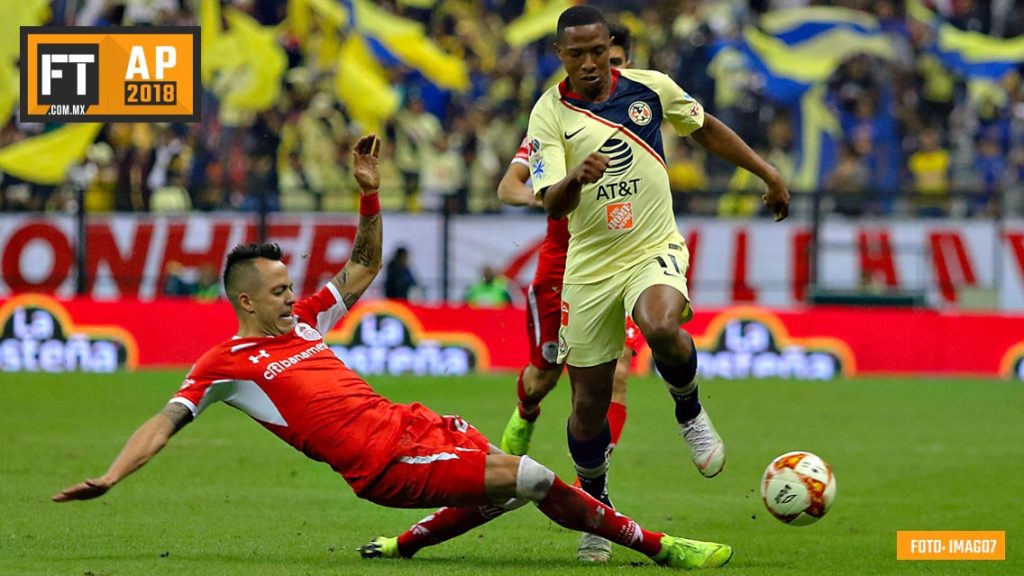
(39, 333)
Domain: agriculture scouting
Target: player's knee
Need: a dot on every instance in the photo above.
(662, 335)
(534, 480)
(547, 379)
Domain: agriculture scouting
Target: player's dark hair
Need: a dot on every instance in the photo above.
(580, 16)
(243, 255)
(621, 37)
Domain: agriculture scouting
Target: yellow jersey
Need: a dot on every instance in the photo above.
(626, 216)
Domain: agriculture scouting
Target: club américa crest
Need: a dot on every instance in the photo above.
(640, 113)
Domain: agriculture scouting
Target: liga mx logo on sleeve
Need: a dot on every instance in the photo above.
(91, 74)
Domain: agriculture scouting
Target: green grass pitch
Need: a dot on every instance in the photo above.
(226, 497)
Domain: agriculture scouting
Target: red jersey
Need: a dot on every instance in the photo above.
(551, 257)
(296, 387)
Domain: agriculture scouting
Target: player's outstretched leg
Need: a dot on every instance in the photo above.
(576, 510)
(532, 386)
(444, 524)
(567, 506)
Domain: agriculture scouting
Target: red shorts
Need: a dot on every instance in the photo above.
(438, 461)
(634, 338)
(543, 318)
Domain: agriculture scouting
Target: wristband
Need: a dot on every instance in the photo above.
(369, 204)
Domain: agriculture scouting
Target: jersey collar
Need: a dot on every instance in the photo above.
(565, 91)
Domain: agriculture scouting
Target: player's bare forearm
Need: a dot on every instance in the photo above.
(512, 189)
(562, 197)
(365, 262)
(144, 443)
(721, 141)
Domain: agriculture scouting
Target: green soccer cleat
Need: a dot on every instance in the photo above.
(515, 440)
(380, 547)
(686, 554)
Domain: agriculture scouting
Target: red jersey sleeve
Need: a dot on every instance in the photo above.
(198, 390)
(523, 154)
(322, 310)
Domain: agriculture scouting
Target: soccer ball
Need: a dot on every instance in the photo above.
(798, 488)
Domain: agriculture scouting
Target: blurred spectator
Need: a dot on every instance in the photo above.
(848, 182)
(929, 169)
(172, 197)
(399, 281)
(416, 137)
(207, 287)
(489, 291)
(990, 167)
(442, 177)
(175, 282)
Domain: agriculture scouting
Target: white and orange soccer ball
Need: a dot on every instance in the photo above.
(798, 488)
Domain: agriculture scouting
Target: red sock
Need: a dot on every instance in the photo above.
(529, 408)
(576, 510)
(616, 420)
(445, 524)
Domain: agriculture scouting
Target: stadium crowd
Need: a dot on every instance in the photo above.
(917, 138)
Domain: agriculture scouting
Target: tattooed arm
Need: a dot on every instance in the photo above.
(140, 448)
(365, 261)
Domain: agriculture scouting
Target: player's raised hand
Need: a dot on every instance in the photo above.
(592, 168)
(86, 490)
(776, 198)
(365, 157)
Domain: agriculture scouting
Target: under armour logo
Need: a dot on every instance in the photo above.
(256, 359)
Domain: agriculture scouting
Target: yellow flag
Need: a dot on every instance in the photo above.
(15, 15)
(210, 36)
(298, 20)
(362, 87)
(330, 13)
(535, 24)
(407, 41)
(256, 81)
(8, 90)
(45, 159)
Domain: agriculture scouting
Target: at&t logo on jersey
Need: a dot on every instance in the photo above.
(640, 113)
(620, 156)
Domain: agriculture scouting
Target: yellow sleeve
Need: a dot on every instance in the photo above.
(545, 146)
(680, 109)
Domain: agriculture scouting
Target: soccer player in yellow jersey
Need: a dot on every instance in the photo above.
(596, 156)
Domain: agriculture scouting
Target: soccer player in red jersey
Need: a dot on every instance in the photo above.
(279, 371)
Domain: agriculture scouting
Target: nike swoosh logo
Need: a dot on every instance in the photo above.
(569, 136)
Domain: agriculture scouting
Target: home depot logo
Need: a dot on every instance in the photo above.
(620, 216)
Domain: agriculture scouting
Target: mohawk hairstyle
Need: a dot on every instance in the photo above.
(244, 254)
(580, 15)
